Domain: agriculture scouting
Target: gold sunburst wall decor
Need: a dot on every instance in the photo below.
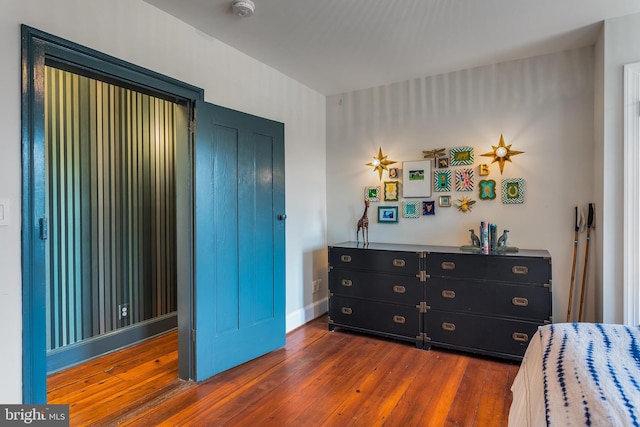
(501, 153)
(380, 163)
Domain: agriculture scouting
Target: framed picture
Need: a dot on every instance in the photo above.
(372, 194)
(443, 162)
(411, 209)
(487, 189)
(391, 191)
(429, 207)
(461, 156)
(393, 173)
(444, 201)
(416, 179)
(387, 214)
(513, 190)
(464, 180)
(442, 180)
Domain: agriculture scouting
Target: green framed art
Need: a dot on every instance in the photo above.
(513, 191)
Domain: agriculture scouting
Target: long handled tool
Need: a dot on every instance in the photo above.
(573, 264)
(586, 259)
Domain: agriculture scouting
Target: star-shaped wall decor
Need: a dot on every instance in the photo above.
(502, 153)
(380, 163)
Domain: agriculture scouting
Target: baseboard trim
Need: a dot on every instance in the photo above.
(307, 314)
(91, 348)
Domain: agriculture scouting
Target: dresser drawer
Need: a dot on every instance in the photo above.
(486, 335)
(372, 316)
(394, 289)
(512, 269)
(531, 302)
(395, 262)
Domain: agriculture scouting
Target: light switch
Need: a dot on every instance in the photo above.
(5, 211)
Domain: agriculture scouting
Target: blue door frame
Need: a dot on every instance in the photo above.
(38, 49)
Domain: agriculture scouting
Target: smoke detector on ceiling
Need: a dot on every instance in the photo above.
(243, 8)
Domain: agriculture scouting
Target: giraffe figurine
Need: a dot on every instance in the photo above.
(363, 223)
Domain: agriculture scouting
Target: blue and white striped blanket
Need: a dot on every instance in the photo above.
(591, 374)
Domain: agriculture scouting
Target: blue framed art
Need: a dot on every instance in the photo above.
(411, 209)
(387, 214)
(429, 207)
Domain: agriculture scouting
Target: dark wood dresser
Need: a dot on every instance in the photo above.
(441, 296)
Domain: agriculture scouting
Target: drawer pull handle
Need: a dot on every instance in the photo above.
(520, 269)
(448, 265)
(399, 319)
(520, 302)
(520, 337)
(399, 262)
(345, 258)
(346, 310)
(346, 282)
(399, 289)
(449, 326)
(448, 294)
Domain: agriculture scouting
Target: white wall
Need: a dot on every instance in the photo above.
(542, 105)
(137, 32)
(619, 46)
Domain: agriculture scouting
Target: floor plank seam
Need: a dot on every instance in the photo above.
(168, 392)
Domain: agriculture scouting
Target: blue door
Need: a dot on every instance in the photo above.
(239, 287)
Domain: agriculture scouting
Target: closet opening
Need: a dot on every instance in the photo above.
(111, 266)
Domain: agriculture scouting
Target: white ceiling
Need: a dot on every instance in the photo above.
(336, 46)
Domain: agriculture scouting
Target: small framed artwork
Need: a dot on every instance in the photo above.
(513, 190)
(442, 180)
(461, 156)
(416, 179)
(464, 180)
(411, 209)
(387, 214)
(391, 191)
(429, 207)
(372, 194)
(444, 201)
(442, 162)
(393, 173)
(487, 189)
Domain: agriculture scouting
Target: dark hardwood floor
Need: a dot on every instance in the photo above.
(319, 378)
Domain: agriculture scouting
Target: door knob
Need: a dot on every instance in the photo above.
(282, 217)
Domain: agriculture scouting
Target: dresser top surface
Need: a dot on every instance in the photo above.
(534, 253)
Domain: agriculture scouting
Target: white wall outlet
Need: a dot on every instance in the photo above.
(316, 286)
(123, 311)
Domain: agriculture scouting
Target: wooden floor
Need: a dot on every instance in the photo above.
(319, 378)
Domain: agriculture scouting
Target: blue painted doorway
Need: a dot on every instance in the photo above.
(230, 229)
(239, 291)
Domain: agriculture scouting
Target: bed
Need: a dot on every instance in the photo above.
(579, 374)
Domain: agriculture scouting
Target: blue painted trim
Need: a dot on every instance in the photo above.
(33, 268)
(74, 354)
(39, 48)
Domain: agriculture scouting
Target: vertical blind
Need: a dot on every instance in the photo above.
(111, 206)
